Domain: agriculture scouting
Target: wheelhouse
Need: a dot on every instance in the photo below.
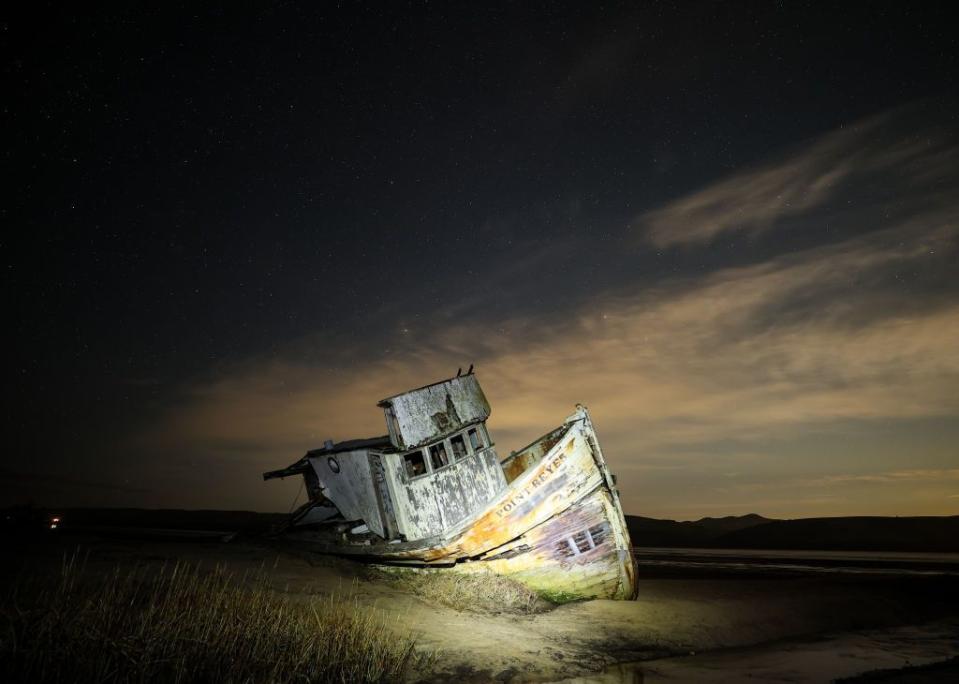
(435, 469)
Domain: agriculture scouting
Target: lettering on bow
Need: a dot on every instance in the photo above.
(538, 481)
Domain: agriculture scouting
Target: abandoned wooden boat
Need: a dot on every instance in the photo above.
(433, 493)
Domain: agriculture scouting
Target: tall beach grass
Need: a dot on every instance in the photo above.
(178, 624)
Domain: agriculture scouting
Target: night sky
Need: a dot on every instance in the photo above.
(730, 230)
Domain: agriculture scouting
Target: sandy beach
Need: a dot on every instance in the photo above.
(685, 626)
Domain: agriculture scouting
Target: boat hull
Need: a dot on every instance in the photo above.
(574, 555)
(557, 527)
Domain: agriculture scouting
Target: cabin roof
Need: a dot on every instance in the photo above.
(382, 403)
(353, 444)
(434, 411)
(379, 443)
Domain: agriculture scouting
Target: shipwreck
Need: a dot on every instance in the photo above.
(433, 493)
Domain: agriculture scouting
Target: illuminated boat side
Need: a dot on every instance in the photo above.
(433, 493)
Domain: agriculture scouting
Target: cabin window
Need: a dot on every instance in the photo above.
(458, 444)
(439, 456)
(415, 463)
(476, 439)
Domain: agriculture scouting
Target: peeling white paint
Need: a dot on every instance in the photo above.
(351, 489)
(433, 503)
(430, 413)
(549, 515)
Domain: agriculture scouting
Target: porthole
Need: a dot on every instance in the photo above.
(334, 464)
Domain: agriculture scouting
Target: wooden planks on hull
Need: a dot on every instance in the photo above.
(577, 554)
(557, 527)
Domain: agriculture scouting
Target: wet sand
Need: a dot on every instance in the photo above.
(756, 626)
(821, 659)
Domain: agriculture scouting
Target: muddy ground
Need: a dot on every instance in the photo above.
(673, 616)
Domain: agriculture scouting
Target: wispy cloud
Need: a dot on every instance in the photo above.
(759, 199)
(660, 369)
(892, 477)
(841, 480)
(695, 383)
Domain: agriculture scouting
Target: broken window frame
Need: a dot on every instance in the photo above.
(483, 440)
(442, 444)
(426, 464)
(427, 451)
(466, 450)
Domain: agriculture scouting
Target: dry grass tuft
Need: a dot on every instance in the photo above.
(478, 592)
(181, 625)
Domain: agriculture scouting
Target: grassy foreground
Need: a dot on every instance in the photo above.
(179, 624)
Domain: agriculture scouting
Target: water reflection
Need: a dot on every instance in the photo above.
(798, 562)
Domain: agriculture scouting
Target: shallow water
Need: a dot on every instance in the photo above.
(802, 562)
(819, 660)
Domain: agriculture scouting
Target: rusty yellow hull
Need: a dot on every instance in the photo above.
(557, 527)
(560, 563)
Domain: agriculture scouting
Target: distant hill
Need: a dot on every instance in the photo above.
(731, 523)
(655, 532)
(928, 533)
(752, 531)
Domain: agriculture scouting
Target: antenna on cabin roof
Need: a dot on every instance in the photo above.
(459, 371)
(470, 371)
